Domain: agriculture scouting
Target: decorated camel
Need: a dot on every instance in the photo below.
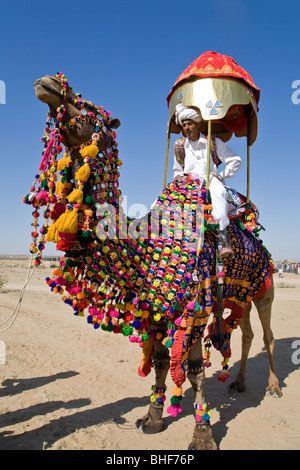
(158, 280)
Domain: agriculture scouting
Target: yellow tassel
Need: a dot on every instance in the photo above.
(50, 237)
(71, 222)
(56, 237)
(76, 196)
(60, 223)
(63, 162)
(90, 150)
(83, 173)
(59, 187)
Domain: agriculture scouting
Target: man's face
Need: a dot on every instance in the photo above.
(191, 129)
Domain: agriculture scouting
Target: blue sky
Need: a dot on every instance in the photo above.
(126, 56)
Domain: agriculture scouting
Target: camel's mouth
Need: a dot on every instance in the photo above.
(47, 90)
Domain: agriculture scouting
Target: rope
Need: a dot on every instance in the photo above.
(13, 316)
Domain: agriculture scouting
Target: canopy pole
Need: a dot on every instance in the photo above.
(200, 239)
(208, 156)
(248, 171)
(248, 157)
(167, 159)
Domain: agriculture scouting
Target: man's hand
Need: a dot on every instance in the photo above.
(180, 177)
(218, 177)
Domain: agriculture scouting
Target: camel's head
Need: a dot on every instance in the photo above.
(79, 117)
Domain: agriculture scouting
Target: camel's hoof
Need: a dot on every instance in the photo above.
(151, 423)
(274, 391)
(202, 438)
(236, 387)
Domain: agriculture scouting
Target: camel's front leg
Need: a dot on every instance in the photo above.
(202, 436)
(152, 422)
(239, 384)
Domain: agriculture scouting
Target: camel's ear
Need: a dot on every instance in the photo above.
(115, 123)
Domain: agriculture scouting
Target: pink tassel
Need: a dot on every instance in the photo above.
(61, 281)
(93, 310)
(173, 410)
(132, 339)
(74, 290)
(43, 196)
(112, 313)
(191, 305)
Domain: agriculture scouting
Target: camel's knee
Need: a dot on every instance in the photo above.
(247, 333)
(195, 369)
(196, 377)
(161, 360)
(247, 336)
(196, 381)
(269, 340)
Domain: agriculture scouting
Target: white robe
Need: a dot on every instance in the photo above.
(196, 163)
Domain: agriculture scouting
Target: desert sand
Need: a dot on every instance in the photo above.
(66, 386)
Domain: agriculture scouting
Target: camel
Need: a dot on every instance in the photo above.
(159, 334)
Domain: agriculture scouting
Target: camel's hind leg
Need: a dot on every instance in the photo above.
(239, 384)
(202, 435)
(264, 308)
(152, 422)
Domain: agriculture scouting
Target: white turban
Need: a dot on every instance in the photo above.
(183, 112)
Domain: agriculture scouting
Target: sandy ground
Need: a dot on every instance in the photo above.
(67, 386)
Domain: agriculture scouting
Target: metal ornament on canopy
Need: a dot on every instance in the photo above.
(225, 95)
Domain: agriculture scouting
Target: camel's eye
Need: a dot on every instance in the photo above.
(89, 106)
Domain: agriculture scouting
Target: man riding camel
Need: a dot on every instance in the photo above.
(192, 158)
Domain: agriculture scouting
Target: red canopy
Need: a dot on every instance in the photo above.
(212, 64)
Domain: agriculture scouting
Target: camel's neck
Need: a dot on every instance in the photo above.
(104, 177)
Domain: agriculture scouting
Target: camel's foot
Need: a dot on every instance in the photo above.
(236, 386)
(274, 390)
(152, 422)
(202, 438)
